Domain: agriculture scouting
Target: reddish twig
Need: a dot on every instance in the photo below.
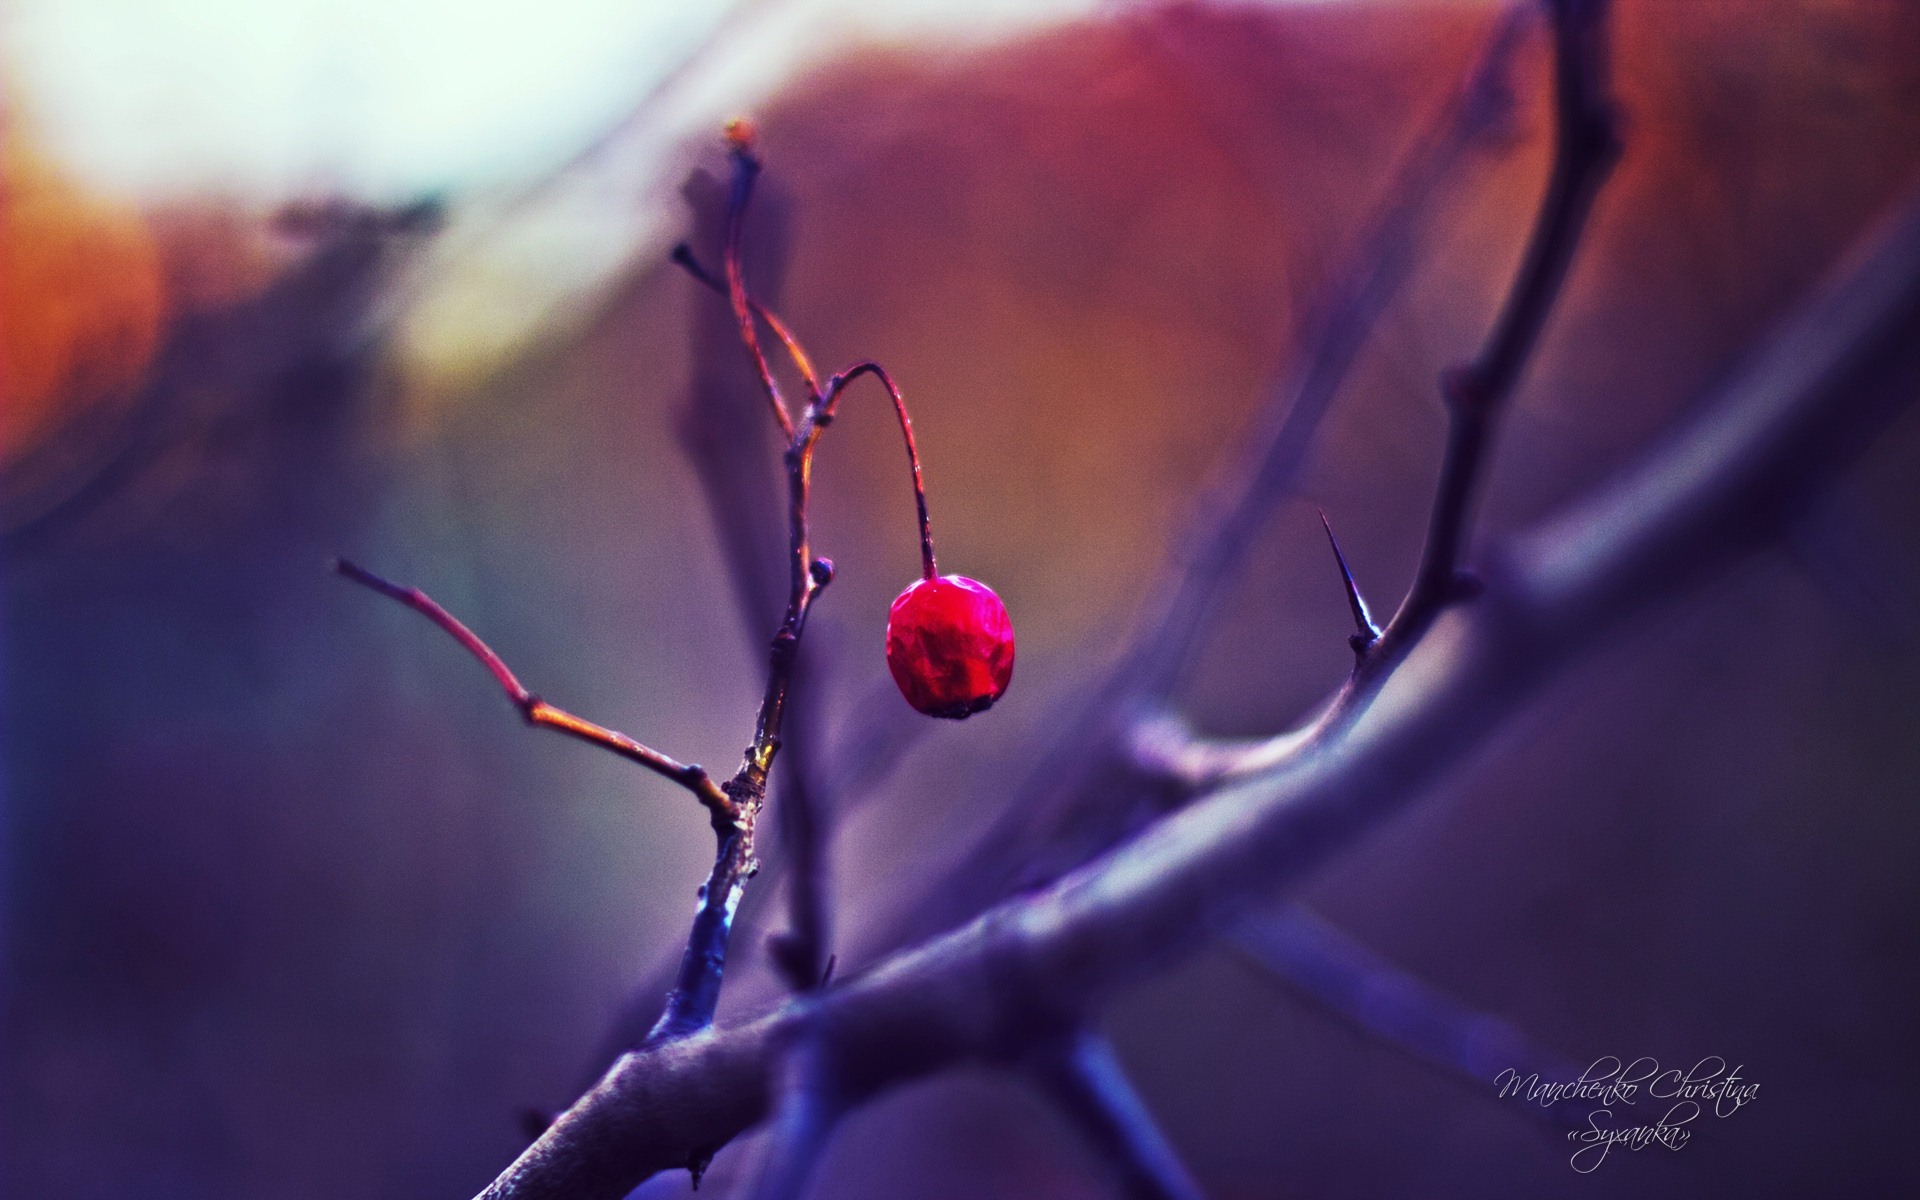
(745, 168)
(683, 257)
(536, 711)
(831, 397)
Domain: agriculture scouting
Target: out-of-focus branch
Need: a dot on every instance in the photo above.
(810, 1104)
(536, 711)
(1067, 811)
(1399, 1009)
(1585, 148)
(1802, 407)
(1080, 1074)
(800, 951)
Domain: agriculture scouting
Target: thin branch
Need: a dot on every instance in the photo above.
(683, 257)
(1807, 404)
(536, 711)
(696, 991)
(1080, 1074)
(830, 398)
(1399, 1009)
(745, 168)
(1382, 261)
(691, 1003)
(1586, 146)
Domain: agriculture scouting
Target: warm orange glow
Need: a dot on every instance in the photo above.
(82, 302)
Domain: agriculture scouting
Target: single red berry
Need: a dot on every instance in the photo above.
(950, 646)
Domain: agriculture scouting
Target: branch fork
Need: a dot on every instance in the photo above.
(733, 806)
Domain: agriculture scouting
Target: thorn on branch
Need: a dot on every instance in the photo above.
(1366, 633)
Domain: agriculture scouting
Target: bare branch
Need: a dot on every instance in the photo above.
(1080, 1074)
(536, 711)
(745, 168)
(1382, 262)
(800, 951)
(683, 257)
(1400, 1009)
(1801, 409)
(1585, 149)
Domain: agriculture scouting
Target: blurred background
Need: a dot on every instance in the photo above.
(295, 908)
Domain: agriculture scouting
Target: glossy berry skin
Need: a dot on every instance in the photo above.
(950, 646)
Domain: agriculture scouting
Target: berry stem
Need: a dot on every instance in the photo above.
(929, 568)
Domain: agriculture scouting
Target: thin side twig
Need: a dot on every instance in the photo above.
(536, 711)
(1080, 1074)
(1586, 146)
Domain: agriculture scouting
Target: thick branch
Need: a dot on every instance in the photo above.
(1803, 407)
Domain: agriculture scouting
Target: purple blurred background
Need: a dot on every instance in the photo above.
(294, 907)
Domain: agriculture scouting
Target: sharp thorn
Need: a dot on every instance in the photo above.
(1366, 631)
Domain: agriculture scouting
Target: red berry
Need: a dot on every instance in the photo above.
(950, 646)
